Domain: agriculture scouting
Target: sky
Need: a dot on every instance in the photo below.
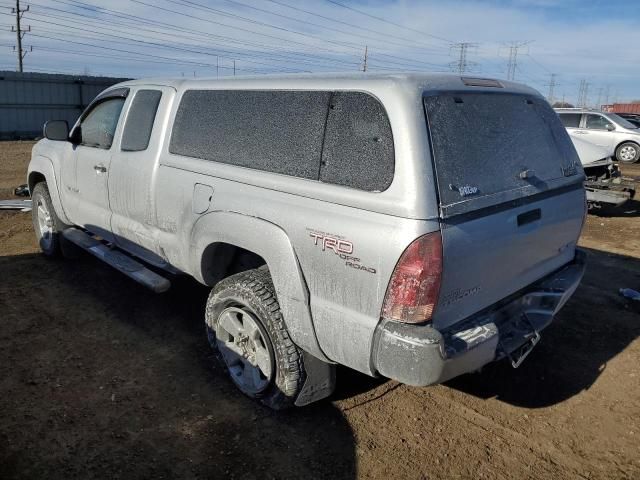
(594, 41)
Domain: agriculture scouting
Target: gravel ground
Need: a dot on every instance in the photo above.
(99, 378)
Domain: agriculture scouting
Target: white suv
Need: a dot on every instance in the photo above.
(608, 130)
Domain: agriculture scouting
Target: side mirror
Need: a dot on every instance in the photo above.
(611, 127)
(57, 130)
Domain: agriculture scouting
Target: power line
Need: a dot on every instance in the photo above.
(398, 60)
(317, 25)
(244, 29)
(130, 52)
(199, 6)
(387, 21)
(173, 45)
(117, 13)
(173, 35)
(286, 5)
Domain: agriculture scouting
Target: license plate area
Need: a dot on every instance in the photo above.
(523, 330)
(522, 352)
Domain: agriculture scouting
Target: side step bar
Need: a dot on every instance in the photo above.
(118, 260)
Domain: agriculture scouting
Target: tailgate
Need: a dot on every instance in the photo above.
(511, 196)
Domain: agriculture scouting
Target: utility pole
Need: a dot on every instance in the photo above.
(366, 55)
(606, 94)
(552, 86)
(462, 65)
(217, 67)
(19, 33)
(512, 64)
(234, 68)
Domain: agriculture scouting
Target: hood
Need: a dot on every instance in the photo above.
(588, 152)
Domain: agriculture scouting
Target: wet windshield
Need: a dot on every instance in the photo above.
(623, 122)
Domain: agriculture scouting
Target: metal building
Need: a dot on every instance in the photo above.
(27, 100)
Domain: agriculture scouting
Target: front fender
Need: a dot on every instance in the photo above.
(272, 244)
(43, 166)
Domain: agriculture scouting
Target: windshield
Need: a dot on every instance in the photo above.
(623, 122)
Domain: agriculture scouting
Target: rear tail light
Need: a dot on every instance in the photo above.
(413, 290)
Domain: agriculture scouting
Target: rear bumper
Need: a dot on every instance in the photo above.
(421, 355)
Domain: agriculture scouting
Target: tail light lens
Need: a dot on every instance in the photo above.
(413, 290)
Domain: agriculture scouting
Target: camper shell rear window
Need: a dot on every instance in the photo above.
(495, 147)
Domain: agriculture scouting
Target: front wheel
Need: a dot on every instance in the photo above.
(46, 223)
(628, 152)
(247, 332)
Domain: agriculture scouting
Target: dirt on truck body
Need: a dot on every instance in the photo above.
(102, 378)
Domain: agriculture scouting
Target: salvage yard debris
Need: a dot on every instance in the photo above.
(22, 191)
(22, 205)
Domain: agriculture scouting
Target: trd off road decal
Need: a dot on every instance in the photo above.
(339, 246)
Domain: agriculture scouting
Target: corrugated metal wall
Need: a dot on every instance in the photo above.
(27, 100)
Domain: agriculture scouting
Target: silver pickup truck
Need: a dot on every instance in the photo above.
(415, 227)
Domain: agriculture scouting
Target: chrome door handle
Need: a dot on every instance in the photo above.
(100, 168)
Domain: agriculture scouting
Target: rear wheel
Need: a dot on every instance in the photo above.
(628, 152)
(247, 332)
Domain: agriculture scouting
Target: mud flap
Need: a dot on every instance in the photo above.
(320, 381)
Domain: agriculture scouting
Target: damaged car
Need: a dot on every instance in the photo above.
(604, 182)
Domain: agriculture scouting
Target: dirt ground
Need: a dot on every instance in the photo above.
(99, 378)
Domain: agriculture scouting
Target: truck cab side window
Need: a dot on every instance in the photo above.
(139, 125)
(99, 126)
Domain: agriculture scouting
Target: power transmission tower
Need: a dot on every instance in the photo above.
(512, 64)
(20, 32)
(606, 94)
(462, 65)
(583, 93)
(599, 103)
(552, 86)
(366, 56)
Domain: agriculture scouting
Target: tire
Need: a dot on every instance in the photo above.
(46, 223)
(246, 330)
(628, 152)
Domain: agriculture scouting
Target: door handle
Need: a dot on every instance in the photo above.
(529, 217)
(100, 168)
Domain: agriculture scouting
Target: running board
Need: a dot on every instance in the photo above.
(118, 260)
